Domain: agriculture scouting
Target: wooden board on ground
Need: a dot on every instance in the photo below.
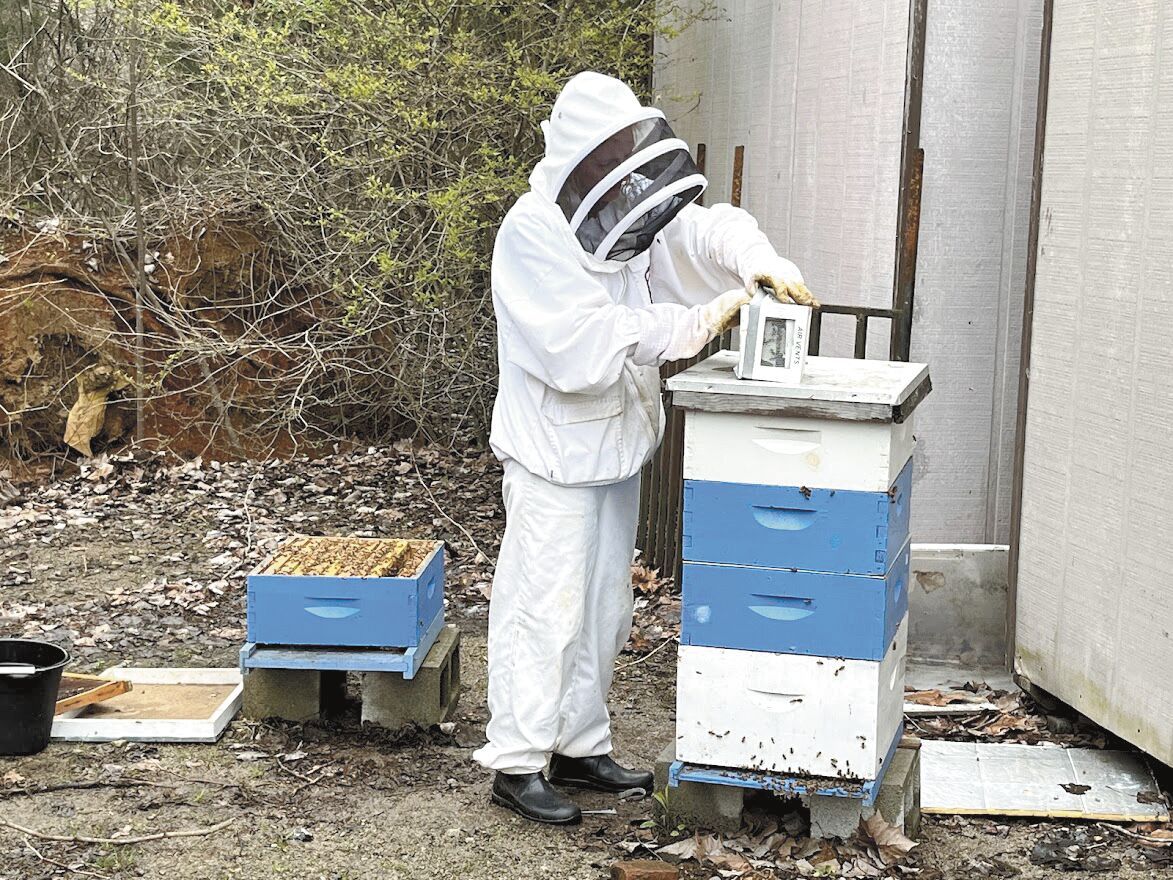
(165, 705)
(1008, 779)
(77, 690)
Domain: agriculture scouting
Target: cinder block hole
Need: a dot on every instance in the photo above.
(445, 682)
(333, 696)
(766, 803)
(454, 666)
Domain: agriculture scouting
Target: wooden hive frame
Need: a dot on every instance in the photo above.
(348, 557)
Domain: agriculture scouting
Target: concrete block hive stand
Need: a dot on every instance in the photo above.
(795, 540)
(322, 607)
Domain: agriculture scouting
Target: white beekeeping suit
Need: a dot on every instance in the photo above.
(601, 272)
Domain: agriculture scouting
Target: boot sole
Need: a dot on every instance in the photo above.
(509, 805)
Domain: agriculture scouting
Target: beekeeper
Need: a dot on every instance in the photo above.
(602, 272)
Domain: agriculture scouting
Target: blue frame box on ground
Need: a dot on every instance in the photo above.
(333, 611)
(405, 661)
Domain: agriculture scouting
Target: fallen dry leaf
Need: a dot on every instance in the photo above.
(88, 415)
(941, 698)
(644, 578)
(890, 841)
(683, 849)
(728, 861)
(1005, 723)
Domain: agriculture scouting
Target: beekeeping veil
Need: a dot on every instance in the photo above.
(613, 167)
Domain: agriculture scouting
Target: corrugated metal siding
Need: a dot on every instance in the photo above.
(1095, 618)
(826, 189)
(977, 129)
(815, 90)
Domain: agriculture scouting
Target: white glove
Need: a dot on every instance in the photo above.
(671, 332)
(781, 278)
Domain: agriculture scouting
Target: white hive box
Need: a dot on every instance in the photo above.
(847, 424)
(789, 713)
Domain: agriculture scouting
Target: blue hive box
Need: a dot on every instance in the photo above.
(794, 612)
(832, 530)
(348, 592)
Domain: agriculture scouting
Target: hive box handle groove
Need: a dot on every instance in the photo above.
(788, 441)
(789, 519)
(783, 607)
(335, 611)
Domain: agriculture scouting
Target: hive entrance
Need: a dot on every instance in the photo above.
(350, 557)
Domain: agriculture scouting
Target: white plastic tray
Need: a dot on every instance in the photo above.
(78, 726)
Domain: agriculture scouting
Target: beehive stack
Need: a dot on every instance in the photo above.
(796, 566)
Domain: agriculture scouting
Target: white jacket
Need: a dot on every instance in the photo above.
(580, 340)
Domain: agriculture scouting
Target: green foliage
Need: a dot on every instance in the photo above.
(664, 820)
(377, 144)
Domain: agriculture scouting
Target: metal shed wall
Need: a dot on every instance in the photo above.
(978, 133)
(815, 91)
(1094, 596)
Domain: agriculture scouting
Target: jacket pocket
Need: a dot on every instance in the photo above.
(586, 431)
(563, 408)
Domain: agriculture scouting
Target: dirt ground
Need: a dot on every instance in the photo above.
(143, 563)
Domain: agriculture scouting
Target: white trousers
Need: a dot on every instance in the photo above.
(560, 614)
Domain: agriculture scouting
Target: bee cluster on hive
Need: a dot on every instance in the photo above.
(349, 557)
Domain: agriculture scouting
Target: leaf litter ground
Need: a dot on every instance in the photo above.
(142, 559)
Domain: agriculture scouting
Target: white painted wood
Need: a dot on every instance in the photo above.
(789, 713)
(772, 340)
(75, 726)
(782, 451)
(839, 380)
(1094, 607)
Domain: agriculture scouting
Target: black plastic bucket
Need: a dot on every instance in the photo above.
(30, 674)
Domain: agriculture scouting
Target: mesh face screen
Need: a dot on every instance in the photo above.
(611, 188)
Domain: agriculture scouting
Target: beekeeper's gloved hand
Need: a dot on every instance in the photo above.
(781, 278)
(671, 332)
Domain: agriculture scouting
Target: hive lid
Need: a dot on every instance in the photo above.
(840, 388)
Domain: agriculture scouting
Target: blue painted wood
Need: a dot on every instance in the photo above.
(794, 612)
(794, 527)
(406, 661)
(795, 786)
(379, 612)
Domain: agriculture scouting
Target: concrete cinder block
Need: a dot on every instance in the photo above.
(957, 603)
(835, 816)
(292, 694)
(390, 700)
(899, 798)
(898, 801)
(716, 807)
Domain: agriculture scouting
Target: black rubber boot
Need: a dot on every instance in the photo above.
(531, 796)
(598, 773)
